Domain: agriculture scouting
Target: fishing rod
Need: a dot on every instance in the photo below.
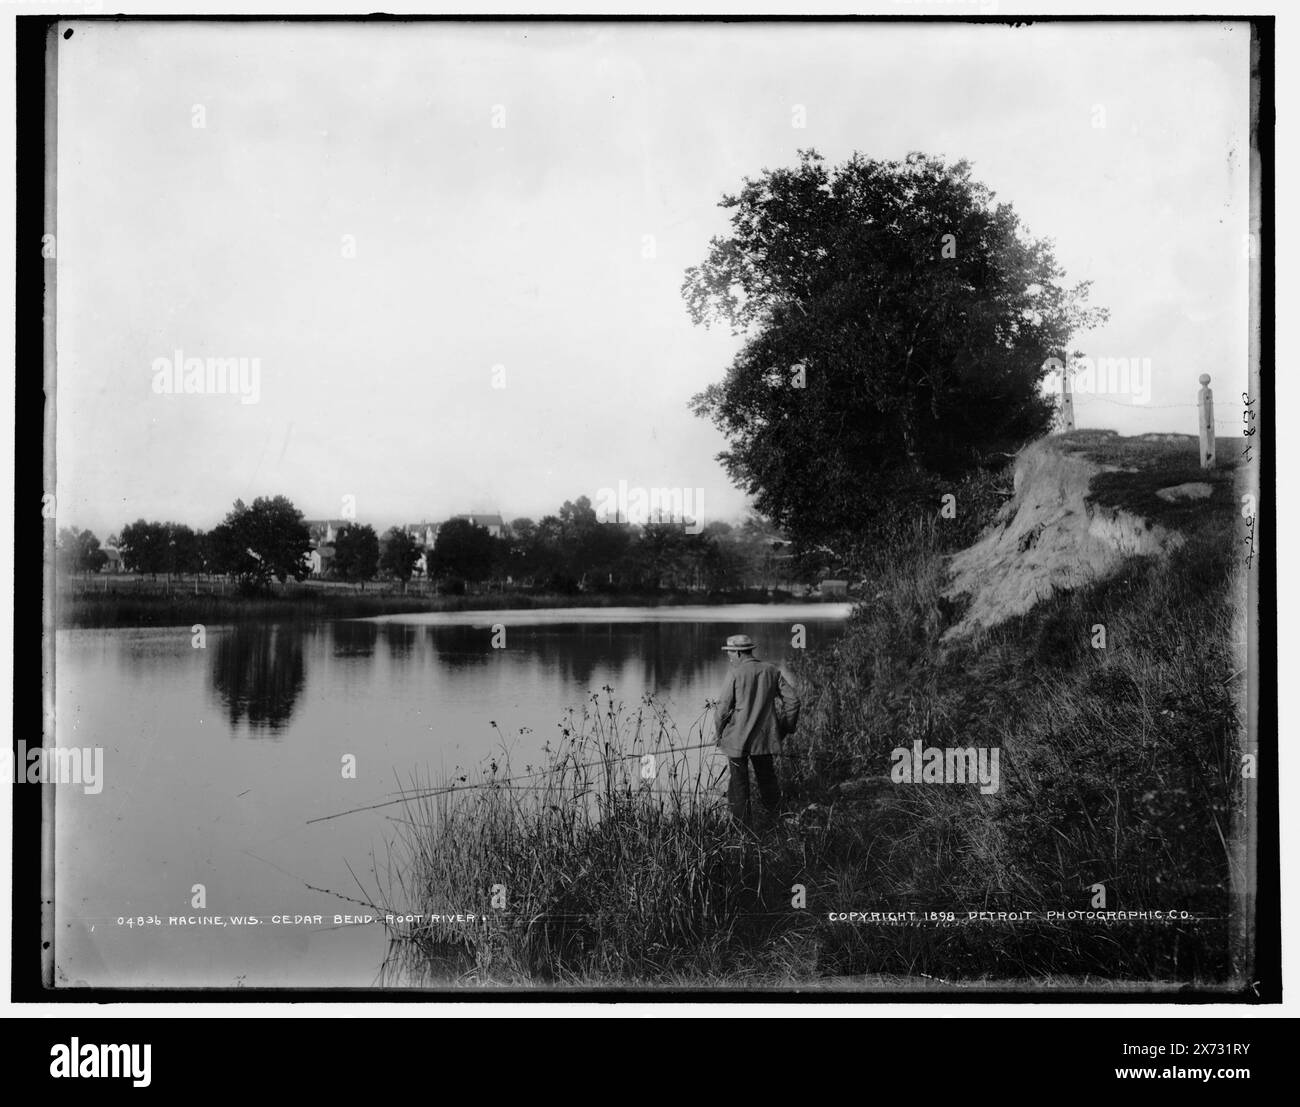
(430, 793)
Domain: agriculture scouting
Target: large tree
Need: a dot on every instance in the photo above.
(144, 548)
(356, 553)
(79, 551)
(464, 550)
(398, 554)
(267, 540)
(183, 549)
(897, 323)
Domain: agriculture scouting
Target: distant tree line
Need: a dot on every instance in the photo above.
(254, 544)
(573, 550)
(570, 551)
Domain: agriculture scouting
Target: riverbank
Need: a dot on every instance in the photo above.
(1120, 787)
(123, 607)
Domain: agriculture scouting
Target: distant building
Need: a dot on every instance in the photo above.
(321, 560)
(836, 588)
(324, 531)
(494, 523)
(425, 534)
(114, 562)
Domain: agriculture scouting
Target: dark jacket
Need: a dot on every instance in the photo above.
(746, 716)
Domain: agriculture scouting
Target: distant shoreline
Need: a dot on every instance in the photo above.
(124, 607)
(739, 612)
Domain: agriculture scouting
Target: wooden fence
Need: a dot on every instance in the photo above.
(1204, 410)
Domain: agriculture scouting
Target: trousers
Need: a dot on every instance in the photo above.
(769, 788)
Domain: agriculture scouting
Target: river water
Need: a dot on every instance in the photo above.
(216, 757)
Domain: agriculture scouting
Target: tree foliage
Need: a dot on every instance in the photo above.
(398, 554)
(258, 543)
(464, 550)
(153, 547)
(356, 553)
(143, 545)
(897, 322)
(79, 552)
(184, 554)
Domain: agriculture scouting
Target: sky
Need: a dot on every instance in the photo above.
(456, 251)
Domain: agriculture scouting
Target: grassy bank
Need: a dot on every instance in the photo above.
(1119, 768)
(1120, 763)
(123, 607)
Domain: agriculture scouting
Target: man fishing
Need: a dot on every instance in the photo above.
(757, 706)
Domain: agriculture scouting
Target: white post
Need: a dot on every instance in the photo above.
(1067, 400)
(1205, 404)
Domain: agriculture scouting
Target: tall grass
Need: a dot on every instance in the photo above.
(1120, 765)
(599, 867)
(1120, 768)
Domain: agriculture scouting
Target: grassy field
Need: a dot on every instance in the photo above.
(1120, 769)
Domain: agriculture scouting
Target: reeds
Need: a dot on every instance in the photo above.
(614, 861)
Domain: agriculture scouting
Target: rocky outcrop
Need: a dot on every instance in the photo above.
(1193, 490)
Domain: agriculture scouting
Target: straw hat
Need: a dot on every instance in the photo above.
(739, 643)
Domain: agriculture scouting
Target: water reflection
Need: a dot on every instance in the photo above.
(464, 647)
(258, 673)
(354, 639)
(401, 640)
